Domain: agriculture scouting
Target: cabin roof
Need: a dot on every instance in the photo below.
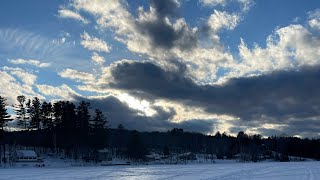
(26, 153)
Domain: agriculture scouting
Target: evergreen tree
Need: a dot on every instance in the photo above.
(67, 126)
(4, 117)
(68, 115)
(99, 120)
(82, 125)
(28, 108)
(83, 116)
(218, 135)
(46, 115)
(35, 113)
(57, 114)
(121, 127)
(21, 111)
(99, 130)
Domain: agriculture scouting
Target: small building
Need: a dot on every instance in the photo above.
(26, 156)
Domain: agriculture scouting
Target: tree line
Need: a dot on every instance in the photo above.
(71, 127)
(61, 124)
(35, 115)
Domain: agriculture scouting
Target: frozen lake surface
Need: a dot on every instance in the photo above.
(267, 170)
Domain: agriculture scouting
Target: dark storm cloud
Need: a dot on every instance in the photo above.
(279, 96)
(165, 36)
(165, 7)
(305, 127)
(153, 80)
(118, 112)
(161, 33)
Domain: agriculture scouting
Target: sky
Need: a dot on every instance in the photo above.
(154, 65)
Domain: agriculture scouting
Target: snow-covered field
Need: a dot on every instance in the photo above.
(267, 170)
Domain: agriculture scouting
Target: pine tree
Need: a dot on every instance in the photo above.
(99, 130)
(99, 120)
(35, 113)
(57, 114)
(83, 116)
(68, 115)
(121, 127)
(46, 115)
(21, 112)
(4, 117)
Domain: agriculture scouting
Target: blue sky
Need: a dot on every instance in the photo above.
(100, 50)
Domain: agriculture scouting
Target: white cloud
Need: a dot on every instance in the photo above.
(59, 41)
(289, 47)
(64, 91)
(12, 87)
(109, 13)
(301, 42)
(26, 77)
(314, 14)
(30, 62)
(65, 13)
(135, 103)
(202, 62)
(77, 75)
(28, 44)
(185, 112)
(221, 19)
(296, 19)
(94, 44)
(97, 59)
(245, 5)
(314, 19)
(315, 24)
(62, 39)
(213, 2)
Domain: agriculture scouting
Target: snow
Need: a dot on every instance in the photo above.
(26, 153)
(220, 170)
(154, 156)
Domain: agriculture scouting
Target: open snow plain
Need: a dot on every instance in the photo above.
(227, 171)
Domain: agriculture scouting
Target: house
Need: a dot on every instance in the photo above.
(26, 156)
